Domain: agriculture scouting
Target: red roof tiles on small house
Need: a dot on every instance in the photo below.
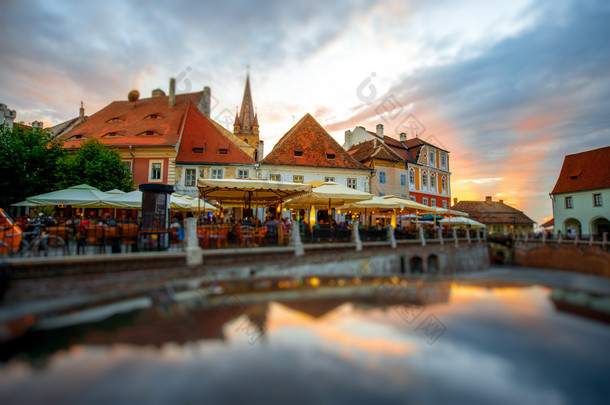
(202, 142)
(308, 144)
(493, 212)
(588, 170)
(148, 121)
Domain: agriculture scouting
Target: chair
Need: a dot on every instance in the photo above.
(203, 234)
(95, 236)
(259, 235)
(129, 235)
(219, 235)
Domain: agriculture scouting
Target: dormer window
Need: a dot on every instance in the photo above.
(147, 133)
(115, 119)
(298, 153)
(330, 156)
(76, 137)
(153, 117)
(198, 150)
(111, 135)
(223, 151)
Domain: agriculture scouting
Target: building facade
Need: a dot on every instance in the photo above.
(581, 196)
(499, 218)
(409, 168)
(307, 152)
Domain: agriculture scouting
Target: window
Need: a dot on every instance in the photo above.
(404, 196)
(202, 173)
(190, 177)
(148, 133)
(223, 151)
(381, 194)
(413, 198)
(243, 174)
(412, 177)
(352, 183)
(433, 202)
(597, 200)
(298, 153)
(329, 179)
(275, 177)
(431, 158)
(444, 183)
(382, 177)
(444, 204)
(403, 179)
(330, 156)
(425, 200)
(297, 179)
(111, 135)
(443, 162)
(424, 180)
(569, 202)
(155, 171)
(74, 137)
(216, 174)
(153, 117)
(115, 119)
(198, 150)
(433, 182)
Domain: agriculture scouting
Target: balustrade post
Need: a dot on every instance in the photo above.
(295, 239)
(391, 238)
(605, 240)
(194, 253)
(468, 236)
(544, 238)
(440, 235)
(478, 236)
(356, 235)
(576, 239)
(455, 238)
(421, 236)
(591, 240)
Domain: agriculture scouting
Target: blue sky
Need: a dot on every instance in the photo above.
(508, 88)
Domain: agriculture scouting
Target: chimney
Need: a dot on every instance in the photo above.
(81, 111)
(403, 137)
(348, 139)
(207, 96)
(37, 124)
(260, 150)
(455, 200)
(158, 93)
(380, 130)
(171, 102)
(488, 199)
(501, 201)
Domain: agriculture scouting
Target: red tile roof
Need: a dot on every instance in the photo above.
(201, 141)
(584, 171)
(309, 139)
(373, 149)
(123, 123)
(492, 212)
(549, 223)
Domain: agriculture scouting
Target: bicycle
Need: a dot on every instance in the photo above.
(41, 241)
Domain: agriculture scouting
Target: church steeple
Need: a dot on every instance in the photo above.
(246, 121)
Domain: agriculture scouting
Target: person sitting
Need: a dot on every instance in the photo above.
(247, 222)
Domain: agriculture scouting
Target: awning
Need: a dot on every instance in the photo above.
(249, 192)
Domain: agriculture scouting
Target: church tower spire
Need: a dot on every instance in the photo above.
(246, 122)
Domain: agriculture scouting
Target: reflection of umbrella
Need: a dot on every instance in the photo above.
(328, 194)
(76, 196)
(461, 221)
(248, 192)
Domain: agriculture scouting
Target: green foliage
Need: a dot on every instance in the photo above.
(98, 166)
(30, 163)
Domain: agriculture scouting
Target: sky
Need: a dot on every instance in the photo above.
(509, 88)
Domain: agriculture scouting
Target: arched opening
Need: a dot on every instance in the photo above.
(416, 265)
(571, 227)
(433, 264)
(600, 225)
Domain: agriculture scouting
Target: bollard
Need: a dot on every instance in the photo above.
(295, 239)
(421, 236)
(391, 237)
(455, 238)
(356, 235)
(194, 253)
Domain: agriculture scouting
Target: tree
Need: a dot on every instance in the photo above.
(98, 166)
(30, 163)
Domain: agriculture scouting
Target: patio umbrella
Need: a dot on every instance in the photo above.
(194, 203)
(76, 196)
(25, 204)
(248, 192)
(430, 217)
(375, 203)
(409, 204)
(133, 200)
(328, 194)
(447, 212)
(461, 221)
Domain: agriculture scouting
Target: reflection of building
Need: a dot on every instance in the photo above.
(497, 216)
(581, 196)
(581, 303)
(307, 152)
(408, 168)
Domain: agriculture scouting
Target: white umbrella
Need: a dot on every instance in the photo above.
(133, 200)
(461, 221)
(447, 212)
(76, 196)
(328, 194)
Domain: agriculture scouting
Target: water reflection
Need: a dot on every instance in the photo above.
(304, 341)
